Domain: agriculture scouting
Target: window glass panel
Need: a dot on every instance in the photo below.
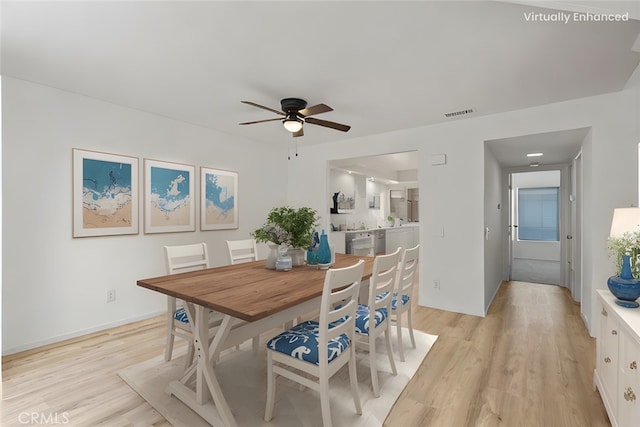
(538, 213)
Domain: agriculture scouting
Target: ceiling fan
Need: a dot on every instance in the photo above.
(296, 113)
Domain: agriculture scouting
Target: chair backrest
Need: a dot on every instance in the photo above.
(383, 280)
(242, 251)
(406, 272)
(339, 303)
(183, 258)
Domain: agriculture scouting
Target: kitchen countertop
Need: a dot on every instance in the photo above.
(369, 230)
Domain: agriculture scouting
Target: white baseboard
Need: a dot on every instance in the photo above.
(486, 308)
(586, 323)
(59, 338)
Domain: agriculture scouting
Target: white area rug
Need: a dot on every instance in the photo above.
(242, 376)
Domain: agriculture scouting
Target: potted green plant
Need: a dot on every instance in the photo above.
(290, 227)
(390, 220)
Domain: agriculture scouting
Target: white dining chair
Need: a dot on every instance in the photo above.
(179, 259)
(319, 349)
(242, 251)
(401, 300)
(373, 318)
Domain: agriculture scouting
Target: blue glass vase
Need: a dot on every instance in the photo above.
(324, 252)
(625, 288)
(625, 270)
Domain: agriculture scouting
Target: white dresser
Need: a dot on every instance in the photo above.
(618, 360)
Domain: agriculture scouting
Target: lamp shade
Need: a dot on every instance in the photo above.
(625, 220)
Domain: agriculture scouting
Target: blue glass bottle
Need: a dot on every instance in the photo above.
(324, 252)
(312, 251)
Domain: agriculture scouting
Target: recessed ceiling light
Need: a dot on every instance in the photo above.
(534, 164)
(534, 154)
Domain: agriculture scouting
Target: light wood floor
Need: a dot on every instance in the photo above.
(529, 362)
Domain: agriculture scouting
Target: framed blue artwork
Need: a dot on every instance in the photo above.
(105, 194)
(169, 190)
(218, 199)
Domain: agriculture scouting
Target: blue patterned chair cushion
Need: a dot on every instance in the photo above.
(362, 318)
(301, 342)
(382, 295)
(181, 316)
(394, 300)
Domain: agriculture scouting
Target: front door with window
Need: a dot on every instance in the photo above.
(536, 238)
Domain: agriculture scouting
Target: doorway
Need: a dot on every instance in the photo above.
(536, 218)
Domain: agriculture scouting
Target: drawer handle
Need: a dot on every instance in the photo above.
(633, 365)
(604, 312)
(607, 360)
(629, 395)
(614, 332)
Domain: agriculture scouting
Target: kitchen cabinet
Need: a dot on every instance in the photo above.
(336, 239)
(360, 243)
(617, 360)
(395, 237)
(405, 236)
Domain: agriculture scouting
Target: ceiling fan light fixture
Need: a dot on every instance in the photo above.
(292, 123)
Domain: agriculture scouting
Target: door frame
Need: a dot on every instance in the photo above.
(576, 212)
(565, 216)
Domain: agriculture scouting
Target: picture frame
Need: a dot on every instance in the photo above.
(105, 194)
(169, 191)
(218, 199)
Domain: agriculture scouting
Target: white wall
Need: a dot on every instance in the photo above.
(454, 194)
(55, 286)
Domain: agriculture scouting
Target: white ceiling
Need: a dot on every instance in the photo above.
(381, 65)
(556, 147)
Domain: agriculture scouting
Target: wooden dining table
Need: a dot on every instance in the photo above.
(251, 299)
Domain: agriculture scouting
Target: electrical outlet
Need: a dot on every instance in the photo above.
(436, 284)
(111, 295)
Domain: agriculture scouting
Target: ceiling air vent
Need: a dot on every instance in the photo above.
(458, 113)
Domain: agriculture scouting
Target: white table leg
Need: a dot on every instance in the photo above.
(217, 344)
(201, 342)
(206, 380)
(218, 412)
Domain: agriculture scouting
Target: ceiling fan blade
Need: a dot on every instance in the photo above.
(299, 133)
(263, 107)
(316, 109)
(261, 121)
(327, 124)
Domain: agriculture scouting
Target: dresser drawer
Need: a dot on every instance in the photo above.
(608, 362)
(629, 382)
